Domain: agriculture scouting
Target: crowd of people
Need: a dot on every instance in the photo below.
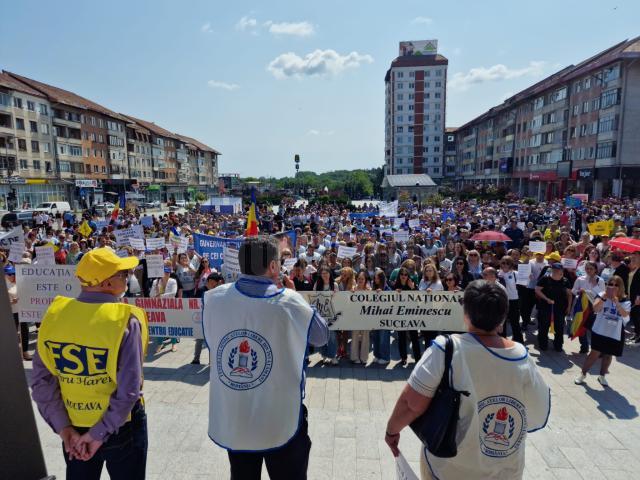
(436, 254)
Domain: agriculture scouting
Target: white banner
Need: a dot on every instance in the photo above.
(231, 265)
(346, 252)
(137, 244)
(38, 285)
(389, 209)
(16, 250)
(13, 236)
(171, 317)
(123, 236)
(401, 236)
(155, 243)
(524, 272)
(155, 266)
(45, 255)
(538, 247)
(369, 310)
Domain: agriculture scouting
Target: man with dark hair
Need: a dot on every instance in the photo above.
(213, 280)
(257, 334)
(486, 303)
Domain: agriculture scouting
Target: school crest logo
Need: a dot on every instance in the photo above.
(323, 303)
(503, 426)
(244, 359)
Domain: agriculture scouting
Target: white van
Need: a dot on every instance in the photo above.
(53, 208)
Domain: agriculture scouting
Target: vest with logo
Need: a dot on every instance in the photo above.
(257, 347)
(79, 342)
(508, 398)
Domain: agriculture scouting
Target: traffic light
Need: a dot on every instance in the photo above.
(297, 158)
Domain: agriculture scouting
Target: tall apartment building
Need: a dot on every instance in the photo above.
(415, 105)
(55, 144)
(576, 130)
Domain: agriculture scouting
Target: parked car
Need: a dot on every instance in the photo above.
(53, 208)
(104, 208)
(18, 217)
(151, 204)
(181, 203)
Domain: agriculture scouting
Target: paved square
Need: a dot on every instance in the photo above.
(593, 432)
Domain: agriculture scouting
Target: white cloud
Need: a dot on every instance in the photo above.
(314, 132)
(223, 85)
(422, 21)
(206, 28)
(317, 133)
(318, 62)
(462, 81)
(246, 23)
(299, 29)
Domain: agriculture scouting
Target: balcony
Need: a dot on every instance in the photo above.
(65, 122)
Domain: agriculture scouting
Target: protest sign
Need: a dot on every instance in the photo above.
(289, 263)
(524, 272)
(171, 317)
(181, 243)
(40, 284)
(569, 263)
(404, 470)
(155, 243)
(388, 209)
(16, 250)
(414, 223)
(522, 226)
(45, 255)
(137, 243)
(155, 266)
(346, 252)
(537, 247)
(9, 238)
(123, 235)
(212, 248)
(401, 236)
(369, 310)
(397, 221)
(146, 222)
(604, 227)
(231, 265)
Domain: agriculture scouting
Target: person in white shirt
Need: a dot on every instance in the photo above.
(507, 399)
(508, 278)
(607, 334)
(593, 285)
(528, 301)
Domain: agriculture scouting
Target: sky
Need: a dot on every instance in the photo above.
(263, 80)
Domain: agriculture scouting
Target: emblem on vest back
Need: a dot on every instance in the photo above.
(323, 303)
(504, 423)
(243, 360)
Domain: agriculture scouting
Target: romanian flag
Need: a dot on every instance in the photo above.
(122, 203)
(252, 218)
(581, 312)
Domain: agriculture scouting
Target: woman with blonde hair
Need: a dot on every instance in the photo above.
(360, 338)
(346, 283)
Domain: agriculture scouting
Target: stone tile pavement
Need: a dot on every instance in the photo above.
(593, 432)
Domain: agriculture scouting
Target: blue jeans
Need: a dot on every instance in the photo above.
(125, 453)
(382, 344)
(331, 348)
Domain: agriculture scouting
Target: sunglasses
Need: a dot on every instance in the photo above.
(612, 284)
(473, 254)
(450, 280)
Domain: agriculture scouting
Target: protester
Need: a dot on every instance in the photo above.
(105, 424)
(260, 416)
(504, 387)
(360, 338)
(381, 338)
(554, 293)
(213, 280)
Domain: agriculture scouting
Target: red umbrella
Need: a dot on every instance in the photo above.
(490, 236)
(626, 244)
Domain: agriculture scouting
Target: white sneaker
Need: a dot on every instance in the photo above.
(580, 379)
(603, 381)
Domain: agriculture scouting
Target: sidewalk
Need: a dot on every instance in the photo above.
(593, 433)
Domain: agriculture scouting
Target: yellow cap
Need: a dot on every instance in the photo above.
(554, 256)
(97, 265)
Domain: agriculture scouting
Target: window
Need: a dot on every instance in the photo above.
(399, 86)
(411, 96)
(400, 96)
(4, 99)
(572, 132)
(438, 84)
(607, 124)
(538, 103)
(611, 73)
(576, 110)
(595, 104)
(608, 98)
(412, 85)
(438, 95)
(438, 73)
(44, 110)
(559, 94)
(36, 165)
(410, 118)
(31, 106)
(606, 150)
(47, 166)
(412, 74)
(399, 118)
(46, 147)
(87, 152)
(587, 83)
(22, 144)
(95, 169)
(399, 74)
(583, 130)
(19, 123)
(104, 169)
(585, 107)
(427, 73)
(399, 108)
(411, 107)
(33, 126)
(17, 102)
(35, 146)
(44, 129)
(399, 129)
(24, 164)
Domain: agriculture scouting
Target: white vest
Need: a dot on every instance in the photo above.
(257, 347)
(508, 398)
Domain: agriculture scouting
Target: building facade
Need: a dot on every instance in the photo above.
(574, 131)
(57, 145)
(415, 106)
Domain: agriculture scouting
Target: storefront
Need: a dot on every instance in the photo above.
(31, 192)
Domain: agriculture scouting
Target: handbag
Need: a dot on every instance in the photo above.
(436, 428)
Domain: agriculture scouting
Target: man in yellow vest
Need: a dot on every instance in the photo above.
(87, 372)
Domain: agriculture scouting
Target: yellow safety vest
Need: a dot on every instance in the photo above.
(79, 342)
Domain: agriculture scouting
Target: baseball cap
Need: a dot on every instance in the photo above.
(554, 256)
(557, 266)
(97, 265)
(9, 270)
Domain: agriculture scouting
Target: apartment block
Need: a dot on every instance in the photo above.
(55, 145)
(574, 131)
(415, 106)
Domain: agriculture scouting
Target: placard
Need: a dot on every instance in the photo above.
(155, 265)
(146, 221)
(123, 235)
(13, 236)
(414, 223)
(171, 317)
(137, 243)
(397, 221)
(181, 243)
(231, 265)
(16, 250)
(346, 252)
(401, 236)
(289, 263)
(569, 263)
(45, 255)
(40, 284)
(155, 243)
(524, 272)
(538, 247)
